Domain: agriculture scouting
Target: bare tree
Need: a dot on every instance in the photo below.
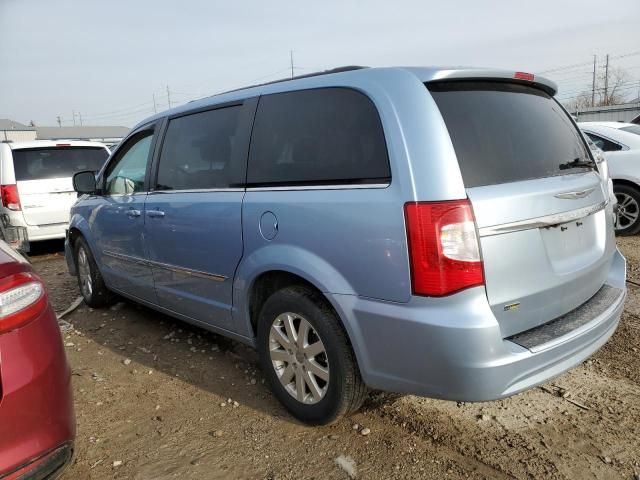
(616, 91)
(614, 95)
(578, 103)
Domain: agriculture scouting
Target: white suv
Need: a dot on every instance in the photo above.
(36, 188)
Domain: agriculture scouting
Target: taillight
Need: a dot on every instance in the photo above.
(10, 197)
(443, 247)
(22, 299)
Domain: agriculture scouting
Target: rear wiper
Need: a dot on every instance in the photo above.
(577, 163)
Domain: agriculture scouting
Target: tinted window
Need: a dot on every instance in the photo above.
(603, 144)
(323, 136)
(126, 174)
(506, 132)
(56, 162)
(197, 150)
(632, 129)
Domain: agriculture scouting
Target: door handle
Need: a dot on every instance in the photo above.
(155, 213)
(132, 212)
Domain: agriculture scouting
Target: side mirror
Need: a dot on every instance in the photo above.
(85, 182)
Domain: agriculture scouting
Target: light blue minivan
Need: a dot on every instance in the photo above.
(436, 231)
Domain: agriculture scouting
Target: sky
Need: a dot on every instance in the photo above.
(106, 60)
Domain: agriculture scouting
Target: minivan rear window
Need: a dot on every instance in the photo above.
(507, 132)
(56, 162)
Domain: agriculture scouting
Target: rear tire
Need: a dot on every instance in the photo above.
(628, 213)
(307, 358)
(90, 281)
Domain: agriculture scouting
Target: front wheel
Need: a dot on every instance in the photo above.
(628, 209)
(90, 281)
(307, 358)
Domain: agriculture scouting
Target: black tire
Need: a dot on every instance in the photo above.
(345, 390)
(630, 195)
(97, 295)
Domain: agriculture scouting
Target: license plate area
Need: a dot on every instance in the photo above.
(577, 244)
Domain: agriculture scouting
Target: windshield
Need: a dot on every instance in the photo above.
(507, 132)
(56, 162)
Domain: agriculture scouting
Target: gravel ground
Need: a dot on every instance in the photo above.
(159, 399)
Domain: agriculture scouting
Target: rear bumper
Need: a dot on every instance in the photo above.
(47, 467)
(36, 405)
(34, 232)
(46, 232)
(452, 348)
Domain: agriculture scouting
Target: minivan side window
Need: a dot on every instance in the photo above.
(198, 149)
(126, 173)
(321, 136)
(604, 144)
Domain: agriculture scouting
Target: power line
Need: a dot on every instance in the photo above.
(575, 65)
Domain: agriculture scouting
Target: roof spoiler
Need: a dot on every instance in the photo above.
(543, 83)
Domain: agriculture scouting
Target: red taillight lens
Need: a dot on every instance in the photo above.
(524, 76)
(443, 247)
(22, 299)
(10, 197)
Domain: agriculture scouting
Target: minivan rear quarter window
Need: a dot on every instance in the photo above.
(506, 132)
(317, 137)
(56, 162)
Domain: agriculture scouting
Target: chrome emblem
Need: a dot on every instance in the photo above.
(575, 195)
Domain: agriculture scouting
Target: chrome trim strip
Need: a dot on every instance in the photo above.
(196, 190)
(355, 186)
(126, 258)
(188, 271)
(544, 221)
(166, 266)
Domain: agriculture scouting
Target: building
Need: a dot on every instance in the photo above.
(11, 131)
(613, 113)
(106, 134)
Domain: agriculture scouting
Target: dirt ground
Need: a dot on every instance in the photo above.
(159, 399)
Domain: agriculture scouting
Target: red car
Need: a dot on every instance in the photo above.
(37, 422)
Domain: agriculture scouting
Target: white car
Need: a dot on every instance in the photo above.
(36, 185)
(620, 143)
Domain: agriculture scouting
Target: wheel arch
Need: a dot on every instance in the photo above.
(276, 266)
(626, 182)
(270, 281)
(79, 227)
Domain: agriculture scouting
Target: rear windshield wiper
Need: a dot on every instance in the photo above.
(577, 163)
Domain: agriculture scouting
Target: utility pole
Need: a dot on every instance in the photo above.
(606, 81)
(80, 115)
(59, 120)
(593, 84)
(155, 110)
(73, 114)
(168, 96)
(291, 57)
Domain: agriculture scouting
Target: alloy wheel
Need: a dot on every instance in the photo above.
(84, 273)
(299, 358)
(627, 212)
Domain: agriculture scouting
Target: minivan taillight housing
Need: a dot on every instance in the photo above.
(22, 299)
(10, 197)
(444, 250)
